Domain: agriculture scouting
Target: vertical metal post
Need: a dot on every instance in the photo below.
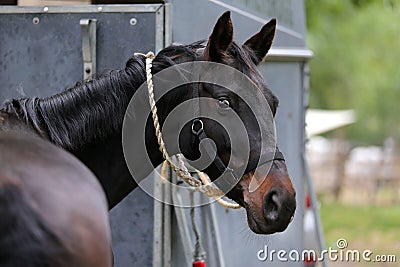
(306, 169)
(215, 235)
(160, 29)
(167, 221)
(183, 228)
(168, 24)
(158, 222)
(314, 206)
(88, 33)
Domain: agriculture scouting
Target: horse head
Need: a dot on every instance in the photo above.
(262, 184)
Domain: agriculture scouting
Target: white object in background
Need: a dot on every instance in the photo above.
(319, 121)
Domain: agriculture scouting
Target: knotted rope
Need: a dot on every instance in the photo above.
(181, 171)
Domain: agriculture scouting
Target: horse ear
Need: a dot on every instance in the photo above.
(220, 40)
(261, 42)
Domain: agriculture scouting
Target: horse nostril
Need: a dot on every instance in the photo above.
(272, 206)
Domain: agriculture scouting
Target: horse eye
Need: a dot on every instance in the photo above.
(224, 103)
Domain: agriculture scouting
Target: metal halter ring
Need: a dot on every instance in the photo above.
(200, 122)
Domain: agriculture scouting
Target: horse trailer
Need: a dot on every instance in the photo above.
(45, 49)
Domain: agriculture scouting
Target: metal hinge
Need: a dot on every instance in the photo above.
(88, 32)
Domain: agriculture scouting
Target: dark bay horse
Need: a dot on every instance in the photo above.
(87, 121)
(53, 210)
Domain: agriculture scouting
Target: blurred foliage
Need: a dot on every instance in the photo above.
(364, 227)
(356, 65)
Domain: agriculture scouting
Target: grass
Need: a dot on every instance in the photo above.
(376, 228)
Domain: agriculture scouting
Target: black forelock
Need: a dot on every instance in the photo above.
(176, 54)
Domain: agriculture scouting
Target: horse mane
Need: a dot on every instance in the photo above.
(87, 112)
(26, 240)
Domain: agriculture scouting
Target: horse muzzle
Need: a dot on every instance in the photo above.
(270, 208)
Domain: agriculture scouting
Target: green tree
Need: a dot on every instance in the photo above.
(356, 63)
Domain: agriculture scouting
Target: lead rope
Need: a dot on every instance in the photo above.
(199, 254)
(182, 172)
